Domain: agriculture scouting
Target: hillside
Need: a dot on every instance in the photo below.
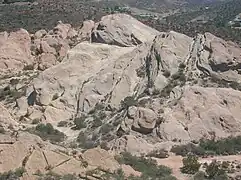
(116, 99)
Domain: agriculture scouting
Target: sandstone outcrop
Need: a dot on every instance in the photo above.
(15, 51)
(122, 30)
(126, 88)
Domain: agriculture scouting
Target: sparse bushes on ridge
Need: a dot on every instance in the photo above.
(47, 132)
(147, 166)
(183, 150)
(159, 153)
(215, 171)
(225, 146)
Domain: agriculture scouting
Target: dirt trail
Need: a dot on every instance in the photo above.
(175, 163)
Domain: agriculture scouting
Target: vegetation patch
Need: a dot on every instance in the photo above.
(147, 166)
(128, 102)
(190, 165)
(12, 175)
(225, 146)
(47, 132)
(79, 123)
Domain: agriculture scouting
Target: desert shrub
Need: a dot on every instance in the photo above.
(85, 142)
(229, 145)
(159, 153)
(53, 176)
(10, 94)
(184, 150)
(12, 175)
(79, 123)
(225, 146)
(105, 129)
(182, 66)
(55, 96)
(200, 175)
(104, 145)
(128, 102)
(98, 107)
(190, 164)
(62, 123)
(141, 72)
(36, 121)
(147, 166)
(156, 92)
(215, 171)
(2, 131)
(167, 73)
(47, 132)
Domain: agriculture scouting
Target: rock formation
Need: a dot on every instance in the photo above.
(116, 84)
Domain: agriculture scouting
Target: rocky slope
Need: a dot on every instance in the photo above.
(115, 84)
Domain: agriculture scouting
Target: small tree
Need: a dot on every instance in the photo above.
(190, 165)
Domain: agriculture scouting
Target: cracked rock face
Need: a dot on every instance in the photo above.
(130, 88)
(202, 112)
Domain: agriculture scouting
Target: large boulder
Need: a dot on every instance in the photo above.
(122, 30)
(15, 53)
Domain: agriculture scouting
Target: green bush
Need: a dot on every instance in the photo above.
(62, 124)
(215, 171)
(79, 123)
(190, 165)
(2, 131)
(225, 146)
(36, 121)
(147, 166)
(12, 175)
(128, 102)
(160, 153)
(47, 132)
(200, 175)
(166, 73)
(105, 129)
(184, 150)
(84, 142)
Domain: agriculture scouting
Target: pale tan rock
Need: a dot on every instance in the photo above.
(40, 34)
(36, 162)
(70, 167)
(54, 158)
(86, 29)
(133, 145)
(128, 171)
(72, 33)
(46, 60)
(145, 120)
(15, 51)
(5, 117)
(101, 158)
(62, 30)
(45, 48)
(203, 112)
(122, 30)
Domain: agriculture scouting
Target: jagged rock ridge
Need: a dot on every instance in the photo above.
(134, 88)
